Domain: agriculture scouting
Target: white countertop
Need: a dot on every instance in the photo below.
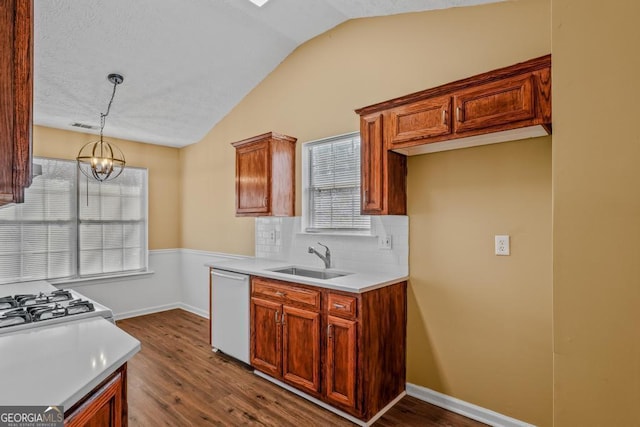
(356, 282)
(59, 364)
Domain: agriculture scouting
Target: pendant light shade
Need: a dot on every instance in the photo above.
(102, 160)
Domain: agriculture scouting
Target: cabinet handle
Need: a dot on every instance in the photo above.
(283, 318)
(264, 202)
(336, 305)
(329, 331)
(458, 114)
(281, 294)
(277, 317)
(444, 117)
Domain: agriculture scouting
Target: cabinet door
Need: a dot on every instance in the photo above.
(253, 177)
(341, 361)
(419, 121)
(16, 95)
(372, 161)
(266, 345)
(495, 104)
(301, 348)
(104, 408)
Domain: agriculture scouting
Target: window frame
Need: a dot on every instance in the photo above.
(306, 191)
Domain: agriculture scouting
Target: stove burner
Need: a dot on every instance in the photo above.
(14, 317)
(25, 300)
(78, 306)
(7, 302)
(46, 312)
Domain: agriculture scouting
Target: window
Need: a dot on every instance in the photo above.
(331, 171)
(70, 227)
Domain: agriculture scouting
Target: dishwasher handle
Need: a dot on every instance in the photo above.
(229, 276)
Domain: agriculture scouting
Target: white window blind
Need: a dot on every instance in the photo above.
(112, 225)
(56, 234)
(37, 238)
(333, 167)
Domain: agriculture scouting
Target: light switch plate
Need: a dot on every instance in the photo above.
(503, 244)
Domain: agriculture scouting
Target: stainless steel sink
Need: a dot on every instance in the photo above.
(305, 272)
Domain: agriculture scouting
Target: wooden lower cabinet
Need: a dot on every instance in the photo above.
(285, 343)
(340, 371)
(357, 363)
(104, 406)
(266, 336)
(301, 348)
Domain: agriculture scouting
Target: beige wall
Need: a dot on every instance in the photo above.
(596, 213)
(480, 326)
(164, 176)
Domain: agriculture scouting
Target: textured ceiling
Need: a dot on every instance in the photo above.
(186, 63)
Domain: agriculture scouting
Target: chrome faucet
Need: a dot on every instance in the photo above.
(326, 257)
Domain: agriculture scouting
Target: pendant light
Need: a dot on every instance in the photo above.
(102, 160)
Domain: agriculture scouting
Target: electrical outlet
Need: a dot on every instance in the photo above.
(272, 237)
(503, 246)
(384, 242)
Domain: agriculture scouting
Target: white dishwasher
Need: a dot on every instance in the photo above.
(230, 313)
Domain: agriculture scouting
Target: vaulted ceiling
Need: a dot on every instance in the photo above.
(186, 63)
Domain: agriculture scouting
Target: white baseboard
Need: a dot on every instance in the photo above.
(147, 310)
(461, 407)
(195, 310)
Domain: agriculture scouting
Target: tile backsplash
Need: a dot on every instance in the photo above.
(281, 238)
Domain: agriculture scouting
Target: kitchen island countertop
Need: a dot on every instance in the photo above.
(60, 364)
(355, 281)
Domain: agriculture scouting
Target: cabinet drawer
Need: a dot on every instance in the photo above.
(286, 294)
(342, 306)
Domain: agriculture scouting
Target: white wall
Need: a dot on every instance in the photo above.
(180, 279)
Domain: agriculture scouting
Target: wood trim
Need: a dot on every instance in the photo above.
(267, 135)
(490, 76)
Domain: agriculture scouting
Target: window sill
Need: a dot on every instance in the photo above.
(72, 283)
(336, 233)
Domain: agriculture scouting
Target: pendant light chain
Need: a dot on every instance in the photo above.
(103, 116)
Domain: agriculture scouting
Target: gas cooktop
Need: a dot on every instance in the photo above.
(43, 304)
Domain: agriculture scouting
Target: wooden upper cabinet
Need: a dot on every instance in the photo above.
(507, 104)
(383, 172)
(423, 119)
(265, 175)
(495, 104)
(16, 98)
(372, 170)
(501, 105)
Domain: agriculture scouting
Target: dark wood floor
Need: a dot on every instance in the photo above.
(176, 380)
